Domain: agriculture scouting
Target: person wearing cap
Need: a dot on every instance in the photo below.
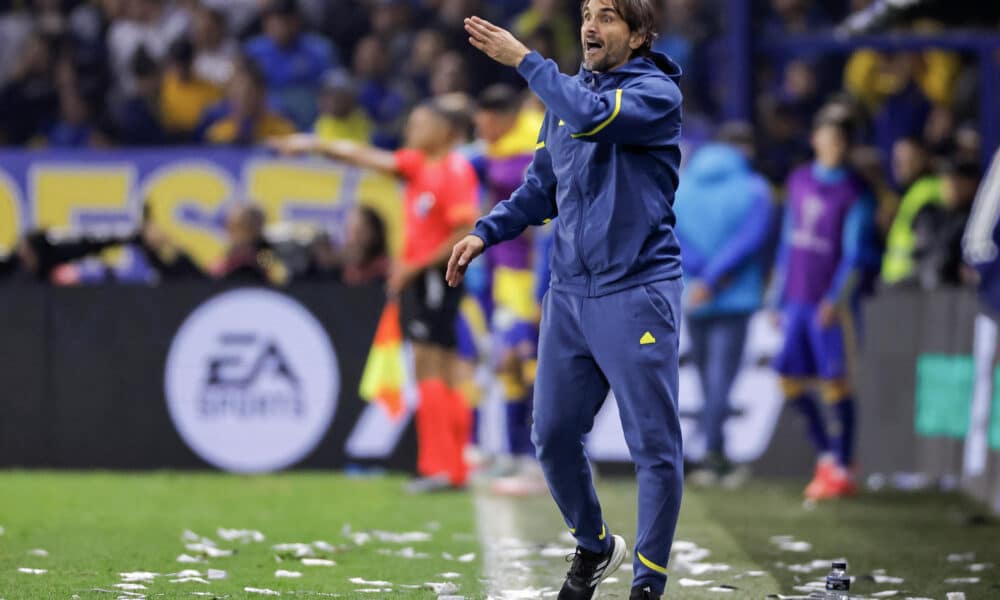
(441, 201)
(340, 115)
(293, 61)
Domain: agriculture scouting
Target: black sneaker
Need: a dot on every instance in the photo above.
(643, 593)
(589, 569)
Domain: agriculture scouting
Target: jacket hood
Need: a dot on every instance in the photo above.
(716, 161)
(648, 63)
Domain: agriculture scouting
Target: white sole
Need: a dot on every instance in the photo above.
(618, 556)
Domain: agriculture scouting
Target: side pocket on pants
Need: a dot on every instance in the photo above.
(661, 303)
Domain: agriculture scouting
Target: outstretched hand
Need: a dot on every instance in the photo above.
(496, 42)
(293, 145)
(462, 254)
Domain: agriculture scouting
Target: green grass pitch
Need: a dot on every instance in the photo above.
(97, 525)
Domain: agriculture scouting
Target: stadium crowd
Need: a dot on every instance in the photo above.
(77, 74)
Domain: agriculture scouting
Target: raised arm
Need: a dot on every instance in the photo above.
(359, 155)
(638, 114)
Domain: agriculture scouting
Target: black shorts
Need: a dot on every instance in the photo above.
(429, 309)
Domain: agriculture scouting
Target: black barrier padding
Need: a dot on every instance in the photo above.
(83, 373)
(23, 406)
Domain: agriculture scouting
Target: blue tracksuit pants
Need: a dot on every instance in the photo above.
(626, 341)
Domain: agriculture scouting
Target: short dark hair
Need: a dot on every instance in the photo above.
(454, 109)
(642, 16)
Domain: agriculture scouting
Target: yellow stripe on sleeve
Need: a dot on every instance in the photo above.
(606, 122)
(539, 145)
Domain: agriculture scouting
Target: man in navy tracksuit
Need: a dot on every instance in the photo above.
(606, 164)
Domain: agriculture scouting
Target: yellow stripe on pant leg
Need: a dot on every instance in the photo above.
(652, 565)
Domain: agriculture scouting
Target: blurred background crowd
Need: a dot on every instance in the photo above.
(98, 73)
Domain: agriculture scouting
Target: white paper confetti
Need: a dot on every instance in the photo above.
(611, 580)
(242, 535)
(556, 551)
(318, 562)
(702, 568)
(977, 567)
(361, 581)
(129, 586)
(445, 587)
(324, 546)
(189, 536)
(135, 576)
(408, 553)
(958, 580)
(216, 574)
(449, 575)
(295, 549)
(288, 574)
(208, 550)
(31, 571)
(721, 590)
(407, 537)
(184, 558)
(190, 580)
(1, 530)
(752, 574)
(686, 582)
(38, 552)
(467, 558)
(886, 579)
(261, 591)
(885, 594)
(187, 573)
(956, 595)
(962, 557)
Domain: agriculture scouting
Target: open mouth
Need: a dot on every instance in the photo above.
(593, 46)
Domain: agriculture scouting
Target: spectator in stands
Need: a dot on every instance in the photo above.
(246, 118)
(938, 229)
(249, 257)
(920, 188)
(378, 93)
(138, 115)
(166, 260)
(148, 24)
(365, 256)
(450, 75)
(685, 36)
(554, 14)
(390, 21)
(215, 55)
(29, 101)
(724, 216)
(794, 17)
(293, 61)
(40, 253)
(341, 118)
(184, 95)
(428, 46)
(74, 127)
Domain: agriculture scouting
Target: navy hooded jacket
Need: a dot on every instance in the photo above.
(606, 164)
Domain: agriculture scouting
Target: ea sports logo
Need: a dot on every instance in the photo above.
(251, 381)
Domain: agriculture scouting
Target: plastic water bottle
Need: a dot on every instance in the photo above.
(838, 584)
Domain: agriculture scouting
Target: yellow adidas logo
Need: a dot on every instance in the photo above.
(647, 338)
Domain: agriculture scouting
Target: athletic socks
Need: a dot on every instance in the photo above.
(444, 424)
(812, 412)
(843, 444)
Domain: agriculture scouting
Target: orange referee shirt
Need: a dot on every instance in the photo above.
(439, 197)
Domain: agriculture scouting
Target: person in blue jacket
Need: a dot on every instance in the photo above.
(724, 216)
(606, 163)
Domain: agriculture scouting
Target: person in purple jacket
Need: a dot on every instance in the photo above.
(826, 251)
(510, 131)
(606, 163)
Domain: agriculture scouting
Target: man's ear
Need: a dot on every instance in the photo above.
(637, 39)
